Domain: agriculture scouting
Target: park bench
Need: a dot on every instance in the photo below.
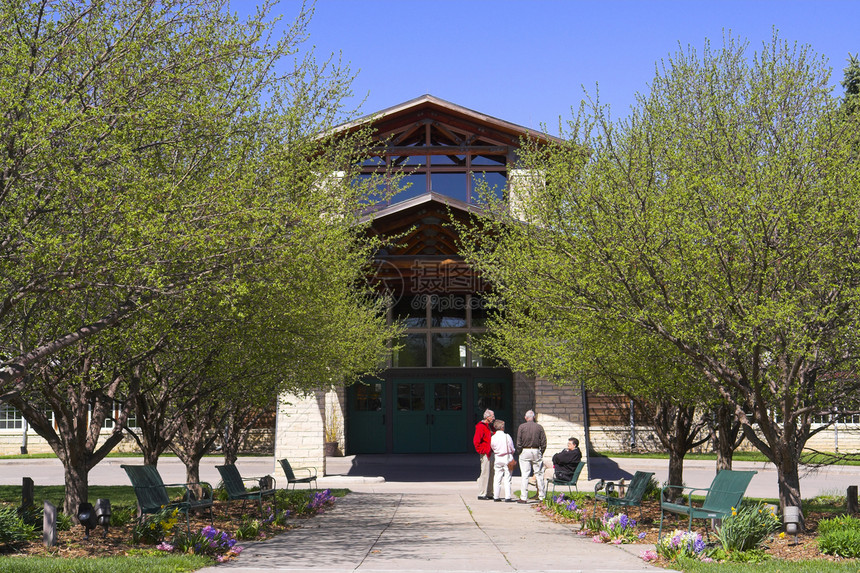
(308, 475)
(152, 497)
(632, 496)
(571, 482)
(725, 495)
(234, 485)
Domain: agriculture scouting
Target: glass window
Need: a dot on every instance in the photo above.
(449, 349)
(10, 418)
(410, 186)
(489, 396)
(479, 359)
(368, 396)
(479, 311)
(375, 161)
(410, 397)
(373, 185)
(492, 183)
(413, 353)
(411, 311)
(449, 184)
(411, 160)
(488, 160)
(448, 160)
(447, 397)
(448, 311)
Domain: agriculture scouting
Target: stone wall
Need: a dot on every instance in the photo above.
(299, 431)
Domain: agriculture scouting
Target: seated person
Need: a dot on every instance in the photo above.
(565, 461)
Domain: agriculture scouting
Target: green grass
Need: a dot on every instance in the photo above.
(136, 564)
(117, 494)
(773, 566)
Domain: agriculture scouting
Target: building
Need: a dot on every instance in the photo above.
(437, 384)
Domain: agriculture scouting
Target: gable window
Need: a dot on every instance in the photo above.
(440, 159)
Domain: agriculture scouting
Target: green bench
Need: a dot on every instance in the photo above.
(308, 475)
(571, 482)
(725, 494)
(152, 497)
(632, 496)
(234, 485)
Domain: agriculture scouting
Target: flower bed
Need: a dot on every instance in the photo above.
(166, 533)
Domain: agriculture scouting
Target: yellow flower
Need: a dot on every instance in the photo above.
(781, 535)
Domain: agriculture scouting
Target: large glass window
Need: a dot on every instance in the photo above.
(449, 349)
(413, 352)
(450, 184)
(448, 311)
(456, 323)
(411, 311)
(10, 418)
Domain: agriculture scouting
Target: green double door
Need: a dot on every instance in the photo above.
(429, 415)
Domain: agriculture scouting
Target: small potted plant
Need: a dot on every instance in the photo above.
(331, 434)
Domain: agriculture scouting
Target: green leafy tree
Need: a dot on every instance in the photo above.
(155, 165)
(720, 218)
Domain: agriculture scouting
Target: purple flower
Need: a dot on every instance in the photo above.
(642, 535)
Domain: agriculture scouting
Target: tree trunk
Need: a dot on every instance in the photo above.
(77, 487)
(727, 430)
(676, 471)
(788, 478)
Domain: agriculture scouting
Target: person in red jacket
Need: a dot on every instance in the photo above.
(483, 435)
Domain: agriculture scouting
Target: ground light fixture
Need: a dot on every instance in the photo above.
(791, 517)
(87, 517)
(103, 514)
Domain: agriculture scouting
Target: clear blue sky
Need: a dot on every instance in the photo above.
(528, 61)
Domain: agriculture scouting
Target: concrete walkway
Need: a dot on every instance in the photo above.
(434, 530)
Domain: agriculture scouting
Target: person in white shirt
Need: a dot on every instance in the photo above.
(503, 451)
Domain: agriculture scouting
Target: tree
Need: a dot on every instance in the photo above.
(135, 136)
(720, 218)
(154, 158)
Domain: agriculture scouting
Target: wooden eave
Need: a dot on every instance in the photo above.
(414, 113)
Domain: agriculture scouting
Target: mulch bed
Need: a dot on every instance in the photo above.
(227, 516)
(785, 548)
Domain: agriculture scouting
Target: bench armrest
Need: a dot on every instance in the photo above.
(312, 472)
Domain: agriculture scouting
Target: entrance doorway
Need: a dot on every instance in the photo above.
(416, 412)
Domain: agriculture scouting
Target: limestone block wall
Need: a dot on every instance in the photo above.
(559, 411)
(299, 429)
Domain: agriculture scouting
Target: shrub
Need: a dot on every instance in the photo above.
(156, 527)
(842, 543)
(249, 529)
(13, 529)
(843, 522)
(747, 527)
(652, 490)
(64, 522)
(840, 536)
(122, 515)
